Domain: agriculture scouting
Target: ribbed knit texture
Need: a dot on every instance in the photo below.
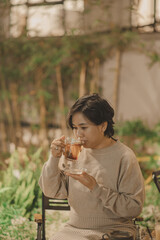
(116, 199)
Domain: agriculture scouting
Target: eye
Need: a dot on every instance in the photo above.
(74, 128)
(84, 128)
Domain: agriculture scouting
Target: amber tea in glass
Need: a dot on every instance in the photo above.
(71, 152)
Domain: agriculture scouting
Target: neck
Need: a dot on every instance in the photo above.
(106, 142)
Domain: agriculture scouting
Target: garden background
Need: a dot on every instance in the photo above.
(40, 78)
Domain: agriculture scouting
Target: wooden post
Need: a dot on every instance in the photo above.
(117, 83)
(42, 107)
(82, 80)
(3, 141)
(95, 75)
(7, 111)
(16, 112)
(61, 98)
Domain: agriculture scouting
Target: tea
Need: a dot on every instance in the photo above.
(72, 150)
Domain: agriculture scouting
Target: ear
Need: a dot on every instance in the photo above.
(104, 126)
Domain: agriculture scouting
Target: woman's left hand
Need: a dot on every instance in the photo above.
(84, 178)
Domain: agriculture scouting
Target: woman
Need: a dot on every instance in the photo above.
(111, 192)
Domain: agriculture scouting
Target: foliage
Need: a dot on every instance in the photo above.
(20, 195)
(152, 52)
(138, 128)
(25, 61)
(122, 40)
(19, 182)
(140, 137)
(154, 58)
(151, 207)
(13, 226)
(143, 139)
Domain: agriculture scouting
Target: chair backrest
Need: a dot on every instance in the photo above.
(52, 204)
(156, 179)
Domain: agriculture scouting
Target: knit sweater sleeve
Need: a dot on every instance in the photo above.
(128, 200)
(53, 181)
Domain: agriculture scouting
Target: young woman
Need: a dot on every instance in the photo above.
(111, 192)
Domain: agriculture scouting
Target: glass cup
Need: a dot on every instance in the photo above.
(71, 152)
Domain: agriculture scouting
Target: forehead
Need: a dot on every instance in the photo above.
(80, 119)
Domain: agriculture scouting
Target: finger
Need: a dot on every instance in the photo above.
(56, 144)
(62, 138)
(57, 147)
(85, 174)
(56, 151)
(75, 176)
(54, 147)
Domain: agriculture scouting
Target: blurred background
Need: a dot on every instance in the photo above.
(51, 53)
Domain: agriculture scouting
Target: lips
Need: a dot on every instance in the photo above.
(83, 141)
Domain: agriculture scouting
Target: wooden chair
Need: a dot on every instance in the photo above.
(156, 179)
(48, 204)
(59, 204)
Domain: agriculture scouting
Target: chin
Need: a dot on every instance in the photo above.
(85, 146)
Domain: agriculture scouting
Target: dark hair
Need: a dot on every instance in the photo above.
(96, 109)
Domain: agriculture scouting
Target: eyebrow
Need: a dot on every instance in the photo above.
(81, 124)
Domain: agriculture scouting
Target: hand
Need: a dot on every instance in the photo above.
(84, 178)
(57, 146)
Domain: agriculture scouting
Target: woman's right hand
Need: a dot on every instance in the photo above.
(57, 146)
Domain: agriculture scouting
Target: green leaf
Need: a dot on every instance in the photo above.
(2, 190)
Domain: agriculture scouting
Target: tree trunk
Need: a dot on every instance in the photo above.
(3, 135)
(117, 83)
(7, 111)
(61, 99)
(82, 80)
(4, 19)
(95, 75)
(43, 130)
(16, 112)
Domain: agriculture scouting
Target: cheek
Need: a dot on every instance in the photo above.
(91, 134)
(88, 133)
(95, 135)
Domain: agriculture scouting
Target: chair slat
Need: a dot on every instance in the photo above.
(61, 201)
(55, 204)
(66, 208)
(156, 179)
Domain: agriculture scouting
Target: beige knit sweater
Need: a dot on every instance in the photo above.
(117, 198)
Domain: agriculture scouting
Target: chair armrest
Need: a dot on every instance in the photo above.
(38, 218)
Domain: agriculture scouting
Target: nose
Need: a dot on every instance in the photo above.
(79, 133)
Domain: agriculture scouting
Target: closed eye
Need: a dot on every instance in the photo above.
(75, 128)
